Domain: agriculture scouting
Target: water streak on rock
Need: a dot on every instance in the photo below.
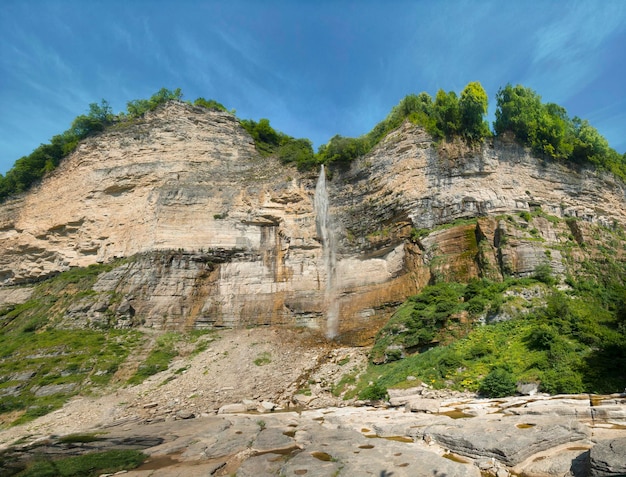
(325, 233)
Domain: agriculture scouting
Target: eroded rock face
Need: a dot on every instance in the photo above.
(221, 236)
(607, 458)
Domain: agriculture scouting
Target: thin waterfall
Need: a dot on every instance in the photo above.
(325, 232)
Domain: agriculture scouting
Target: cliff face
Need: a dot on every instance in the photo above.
(220, 236)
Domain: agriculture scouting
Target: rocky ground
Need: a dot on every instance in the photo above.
(260, 403)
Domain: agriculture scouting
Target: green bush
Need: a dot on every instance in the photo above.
(543, 273)
(373, 392)
(498, 383)
(562, 379)
(209, 104)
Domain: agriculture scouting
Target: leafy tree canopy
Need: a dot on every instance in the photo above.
(139, 107)
(447, 116)
(209, 104)
(550, 132)
(473, 109)
(545, 128)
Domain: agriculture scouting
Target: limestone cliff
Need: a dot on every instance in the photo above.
(217, 235)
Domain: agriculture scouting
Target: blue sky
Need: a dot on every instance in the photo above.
(314, 68)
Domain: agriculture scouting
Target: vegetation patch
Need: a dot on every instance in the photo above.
(43, 369)
(158, 359)
(87, 465)
(570, 341)
(263, 359)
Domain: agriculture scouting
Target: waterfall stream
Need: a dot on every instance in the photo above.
(325, 232)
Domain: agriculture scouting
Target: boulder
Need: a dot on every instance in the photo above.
(398, 401)
(302, 399)
(528, 389)
(234, 408)
(51, 389)
(183, 414)
(608, 458)
(395, 393)
(266, 406)
(422, 405)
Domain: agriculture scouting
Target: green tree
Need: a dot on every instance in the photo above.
(343, 149)
(473, 110)
(266, 138)
(552, 134)
(589, 144)
(447, 114)
(98, 118)
(298, 151)
(518, 110)
(548, 130)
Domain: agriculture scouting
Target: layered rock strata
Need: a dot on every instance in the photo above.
(221, 236)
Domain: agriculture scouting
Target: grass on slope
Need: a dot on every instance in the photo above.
(46, 357)
(570, 342)
(86, 465)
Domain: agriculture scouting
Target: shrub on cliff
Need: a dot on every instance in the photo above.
(288, 149)
(570, 341)
(138, 107)
(30, 169)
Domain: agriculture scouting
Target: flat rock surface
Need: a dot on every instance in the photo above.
(355, 441)
(508, 439)
(173, 418)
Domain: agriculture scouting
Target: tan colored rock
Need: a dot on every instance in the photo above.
(223, 237)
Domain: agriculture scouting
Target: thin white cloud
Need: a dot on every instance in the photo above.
(565, 56)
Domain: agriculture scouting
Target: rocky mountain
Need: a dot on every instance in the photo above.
(175, 222)
(201, 231)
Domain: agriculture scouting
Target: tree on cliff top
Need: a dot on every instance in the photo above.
(473, 108)
(548, 131)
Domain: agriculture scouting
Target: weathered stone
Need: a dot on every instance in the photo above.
(182, 414)
(303, 399)
(23, 376)
(11, 390)
(394, 393)
(579, 412)
(509, 440)
(567, 460)
(402, 400)
(51, 389)
(422, 405)
(608, 458)
(233, 408)
(14, 295)
(250, 404)
(528, 389)
(266, 406)
(253, 256)
(502, 473)
(265, 465)
(611, 414)
(275, 441)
